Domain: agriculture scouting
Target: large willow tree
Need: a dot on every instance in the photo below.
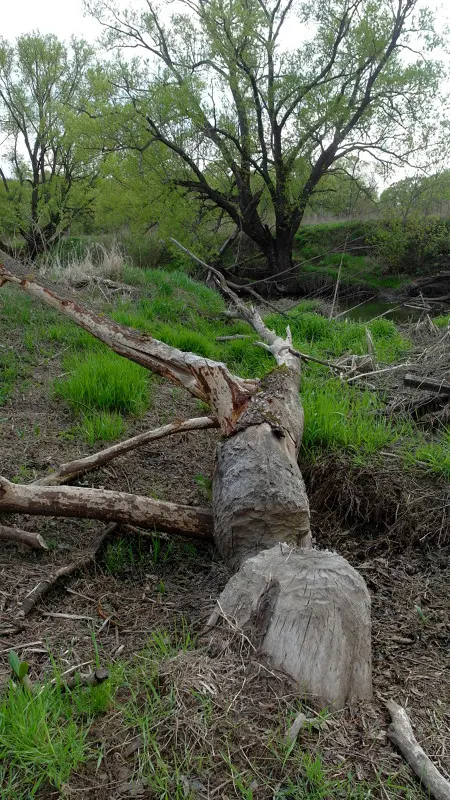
(253, 126)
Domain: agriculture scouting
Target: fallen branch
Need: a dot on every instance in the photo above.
(71, 470)
(19, 536)
(44, 586)
(401, 734)
(208, 380)
(111, 506)
(440, 387)
(376, 372)
(229, 284)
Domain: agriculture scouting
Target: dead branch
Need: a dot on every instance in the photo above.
(71, 470)
(44, 586)
(208, 380)
(440, 387)
(400, 732)
(19, 536)
(230, 284)
(111, 506)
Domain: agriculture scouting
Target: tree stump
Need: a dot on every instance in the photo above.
(308, 611)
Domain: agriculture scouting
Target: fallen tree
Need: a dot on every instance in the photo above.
(308, 611)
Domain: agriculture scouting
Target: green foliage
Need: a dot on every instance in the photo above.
(414, 245)
(106, 382)
(443, 321)
(48, 182)
(265, 143)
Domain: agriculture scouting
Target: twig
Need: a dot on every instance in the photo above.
(338, 279)
(44, 586)
(376, 372)
(400, 732)
(19, 536)
(72, 469)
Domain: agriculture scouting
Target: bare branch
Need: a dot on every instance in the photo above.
(71, 470)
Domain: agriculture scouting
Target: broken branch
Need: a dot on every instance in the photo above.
(71, 470)
(111, 506)
(19, 536)
(400, 732)
(44, 586)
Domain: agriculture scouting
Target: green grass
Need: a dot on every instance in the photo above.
(173, 697)
(443, 321)
(105, 382)
(44, 735)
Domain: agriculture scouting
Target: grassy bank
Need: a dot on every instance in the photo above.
(104, 390)
(196, 722)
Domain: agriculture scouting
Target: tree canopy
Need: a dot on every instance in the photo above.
(249, 126)
(48, 178)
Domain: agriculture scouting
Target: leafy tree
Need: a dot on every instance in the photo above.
(419, 196)
(48, 176)
(252, 127)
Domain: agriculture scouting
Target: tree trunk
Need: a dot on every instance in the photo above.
(308, 612)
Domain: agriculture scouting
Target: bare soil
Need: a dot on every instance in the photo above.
(408, 581)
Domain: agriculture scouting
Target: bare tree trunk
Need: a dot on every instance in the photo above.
(308, 612)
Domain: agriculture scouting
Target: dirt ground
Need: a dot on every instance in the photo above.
(409, 586)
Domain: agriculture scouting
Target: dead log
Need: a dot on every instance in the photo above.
(71, 470)
(309, 611)
(401, 734)
(430, 384)
(44, 586)
(19, 536)
(102, 504)
(259, 503)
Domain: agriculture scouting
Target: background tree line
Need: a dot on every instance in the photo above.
(217, 132)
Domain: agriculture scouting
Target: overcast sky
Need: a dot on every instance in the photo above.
(65, 20)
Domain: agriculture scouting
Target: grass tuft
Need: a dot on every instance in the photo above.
(104, 381)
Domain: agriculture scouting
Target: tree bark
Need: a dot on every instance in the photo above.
(74, 501)
(308, 611)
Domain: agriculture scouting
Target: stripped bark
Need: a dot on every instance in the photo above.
(19, 536)
(309, 612)
(208, 380)
(102, 504)
(71, 470)
(401, 734)
(44, 586)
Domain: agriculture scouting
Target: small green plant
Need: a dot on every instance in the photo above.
(20, 669)
(205, 485)
(103, 426)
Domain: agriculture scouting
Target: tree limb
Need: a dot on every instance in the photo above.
(208, 380)
(70, 470)
(17, 535)
(44, 586)
(400, 732)
(74, 501)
